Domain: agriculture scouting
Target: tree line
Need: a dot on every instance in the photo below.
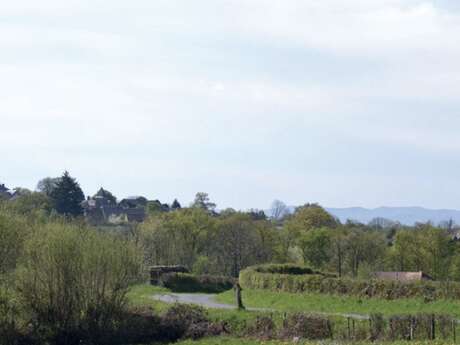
(224, 242)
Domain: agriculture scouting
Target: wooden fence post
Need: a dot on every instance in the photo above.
(411, 328)
(370, 328)
(348, 324)
(454, 329)
(354, 333)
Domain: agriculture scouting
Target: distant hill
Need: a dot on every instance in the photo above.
(404, 215)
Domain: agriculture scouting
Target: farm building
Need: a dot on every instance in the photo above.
(402, 276)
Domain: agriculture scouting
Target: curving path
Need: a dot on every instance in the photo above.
(208, 301)
(204, 300)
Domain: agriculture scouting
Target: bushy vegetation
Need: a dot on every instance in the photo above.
(316, 282)
(184, 282)
(73, 281)
(62, 282)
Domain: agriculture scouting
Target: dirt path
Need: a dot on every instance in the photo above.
(204, 300)
(208, 301)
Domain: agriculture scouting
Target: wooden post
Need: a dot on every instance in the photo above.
(433, 327)
(454, 329)
(239, 300)
(329, 327)
(353, 323)
(370, 328)
(411, 336)
(349, 331)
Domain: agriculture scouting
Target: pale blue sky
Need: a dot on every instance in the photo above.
(340, 102)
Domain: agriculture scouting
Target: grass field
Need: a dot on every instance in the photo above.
(140, 295)
(289, 302)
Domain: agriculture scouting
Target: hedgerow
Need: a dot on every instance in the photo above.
(285, 269)
(317, 282)
(185, 282)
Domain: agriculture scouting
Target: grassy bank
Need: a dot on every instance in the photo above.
(291, 302)
(141, 296)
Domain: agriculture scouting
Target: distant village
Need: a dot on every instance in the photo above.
(104, 209)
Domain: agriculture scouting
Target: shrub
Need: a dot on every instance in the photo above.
(13, 232)
(306, 327)
(262, 328)
(377, 326)
(137, 325)
(187, 321)
(9, 318)
(184, 282)
(73, 282)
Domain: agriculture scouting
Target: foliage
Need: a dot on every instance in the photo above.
(10, 332)
(13, 233)
(47, 185)
(73, 281)
(203, 202)
(34, 206)
(206, 244)
(67, 196)
(306, 327)
(184, 282)
(175, 205)
(316, 247)
(308, 217)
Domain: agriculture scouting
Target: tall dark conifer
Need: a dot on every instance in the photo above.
(68, 196)
(175, 205)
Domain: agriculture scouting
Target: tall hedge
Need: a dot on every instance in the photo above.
(185, 282)
(252, 278)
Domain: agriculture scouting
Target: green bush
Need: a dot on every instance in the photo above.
(72, 281)
(251, 278)
(306, 326)
(184, 282)
(10, 332)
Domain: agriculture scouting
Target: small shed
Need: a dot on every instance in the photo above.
(403, 276)
(157, 271)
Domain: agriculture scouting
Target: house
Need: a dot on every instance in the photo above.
(5, 193)
(102, 208)
(402, 276)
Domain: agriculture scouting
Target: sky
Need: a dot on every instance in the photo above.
(345, 103)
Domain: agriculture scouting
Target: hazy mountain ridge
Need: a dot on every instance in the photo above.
(404, 215)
